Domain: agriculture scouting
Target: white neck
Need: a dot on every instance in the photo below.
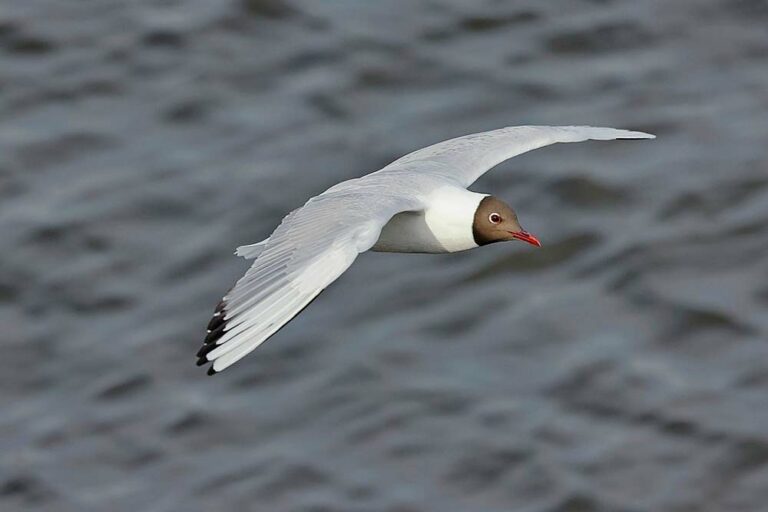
(450, 216)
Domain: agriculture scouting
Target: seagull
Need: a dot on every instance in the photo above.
(417, 204)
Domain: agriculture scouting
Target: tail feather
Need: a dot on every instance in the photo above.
(252, 251)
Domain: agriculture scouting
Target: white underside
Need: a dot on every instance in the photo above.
(446, 226)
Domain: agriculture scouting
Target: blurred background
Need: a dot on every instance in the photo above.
(622, 367)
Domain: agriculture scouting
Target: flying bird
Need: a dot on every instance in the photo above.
(417, 204)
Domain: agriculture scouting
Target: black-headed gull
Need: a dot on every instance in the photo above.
(418, 203)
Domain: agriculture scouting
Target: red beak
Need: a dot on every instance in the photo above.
(526, 237)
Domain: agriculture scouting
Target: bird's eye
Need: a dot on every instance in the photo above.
(495, 218)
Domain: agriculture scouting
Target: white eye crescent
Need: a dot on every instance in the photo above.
(495, 218)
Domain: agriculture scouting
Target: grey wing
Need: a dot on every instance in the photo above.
(464, 159)
(310, 249)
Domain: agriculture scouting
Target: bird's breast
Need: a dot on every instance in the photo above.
(445, 226)
(408, 232)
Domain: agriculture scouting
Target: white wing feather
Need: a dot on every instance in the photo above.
(310, 249)
(464, 159)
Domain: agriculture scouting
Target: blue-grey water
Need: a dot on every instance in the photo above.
(622, 367)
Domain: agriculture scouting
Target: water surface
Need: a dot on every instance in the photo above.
(622, 367)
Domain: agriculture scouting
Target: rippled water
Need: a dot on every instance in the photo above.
(623, 367)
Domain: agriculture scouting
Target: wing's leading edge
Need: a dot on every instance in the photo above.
(464, 159)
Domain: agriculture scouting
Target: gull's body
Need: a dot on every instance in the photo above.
(418, 203)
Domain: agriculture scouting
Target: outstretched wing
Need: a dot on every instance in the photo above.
(464, 159)
(310, 249)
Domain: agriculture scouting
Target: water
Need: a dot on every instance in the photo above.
(622, 367)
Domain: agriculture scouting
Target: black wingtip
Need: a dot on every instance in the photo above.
(216, 321)
(206, 349)
(215, 331)
(215, 334)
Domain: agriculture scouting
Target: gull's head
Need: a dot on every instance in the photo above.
(496, 221)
